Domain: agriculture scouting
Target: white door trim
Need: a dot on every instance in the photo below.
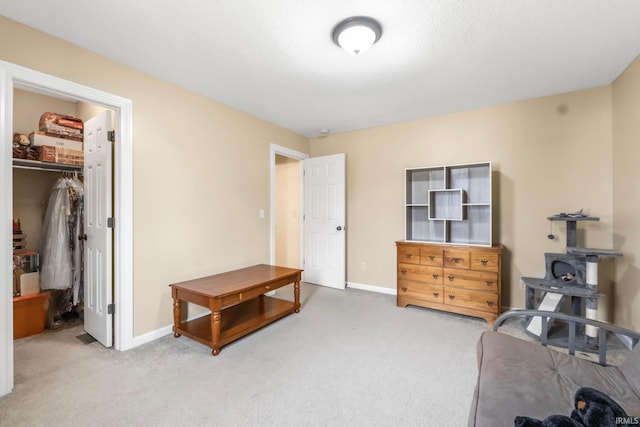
(275, 149)
(11, 76)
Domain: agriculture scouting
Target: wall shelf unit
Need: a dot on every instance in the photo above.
(449, 204)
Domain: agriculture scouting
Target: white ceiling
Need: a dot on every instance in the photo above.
(276, 60)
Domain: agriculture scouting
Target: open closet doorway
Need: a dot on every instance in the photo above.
(15, 78)
(54, 209)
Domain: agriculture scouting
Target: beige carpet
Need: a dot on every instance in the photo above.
(349, 358)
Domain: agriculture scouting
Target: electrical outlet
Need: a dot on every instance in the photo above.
(363, 266)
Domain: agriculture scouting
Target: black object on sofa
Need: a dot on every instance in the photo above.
(523, 378)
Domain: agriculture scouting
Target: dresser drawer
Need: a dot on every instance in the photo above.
(475, 300)
(456, 258)
(431, 256)
(420, 273)
(409, 254)
(481, 280)
(244, 296)
(420, 291)
(485, 261)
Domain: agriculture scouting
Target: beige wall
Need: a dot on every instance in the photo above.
(626, 194)
(196, 212)
(201, 171)
(29, 106)
(287, 212)
(31, 190)
(549, 155)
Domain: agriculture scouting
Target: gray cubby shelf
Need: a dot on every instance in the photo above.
(446, 204)
(449, 204)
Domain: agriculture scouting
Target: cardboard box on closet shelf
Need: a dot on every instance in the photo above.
(61, 155)
(61, 125)
(39, 138)
(62, 120)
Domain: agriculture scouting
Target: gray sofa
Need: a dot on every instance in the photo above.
(523, 378)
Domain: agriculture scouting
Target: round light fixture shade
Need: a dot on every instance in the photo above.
(357, 34)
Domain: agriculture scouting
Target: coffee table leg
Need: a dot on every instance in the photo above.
(296, 295)
(177, 314)
(215, 333)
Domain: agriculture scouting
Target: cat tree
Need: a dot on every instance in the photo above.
(573, 274)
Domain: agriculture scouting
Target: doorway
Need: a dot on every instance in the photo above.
(322, 200)
(53, 235)
(286, 206)
(287, 212)
(16, 77)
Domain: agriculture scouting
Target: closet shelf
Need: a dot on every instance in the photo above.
(45, 166)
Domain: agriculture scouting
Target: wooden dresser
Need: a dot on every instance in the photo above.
(457, 279)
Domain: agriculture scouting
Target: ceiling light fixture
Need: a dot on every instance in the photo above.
(357, 34)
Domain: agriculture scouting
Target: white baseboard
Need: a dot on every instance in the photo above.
(159, 333)
(372, 288)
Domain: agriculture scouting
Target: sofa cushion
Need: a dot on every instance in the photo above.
(522, 378)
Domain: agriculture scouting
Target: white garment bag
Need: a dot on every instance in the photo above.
(55, 253)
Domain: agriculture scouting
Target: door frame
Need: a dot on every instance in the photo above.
(275, 149)
(15, 76)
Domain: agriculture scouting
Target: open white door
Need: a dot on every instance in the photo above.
(98, 292)
(324, 221)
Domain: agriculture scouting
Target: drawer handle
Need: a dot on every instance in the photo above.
(484, 261)
(435, 276)
(489, 282)
(452, 297)
(267, 287)
(435, 294)
(431, 257)
(490, 303)
(457, 260)
(408, 255)
(404, 289)
(451, 277)
(403, 271)
(240, 296)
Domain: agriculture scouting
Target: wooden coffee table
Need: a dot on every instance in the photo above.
(237, 303)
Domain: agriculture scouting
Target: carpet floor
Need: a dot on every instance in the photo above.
(349, 358)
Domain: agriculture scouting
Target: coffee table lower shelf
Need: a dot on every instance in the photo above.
(237, 321)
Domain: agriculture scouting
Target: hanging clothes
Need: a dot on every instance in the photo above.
(60, 249)
(78, 242)
(55, 253)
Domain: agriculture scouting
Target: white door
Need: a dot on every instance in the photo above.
(98, 321)
(324, 221)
